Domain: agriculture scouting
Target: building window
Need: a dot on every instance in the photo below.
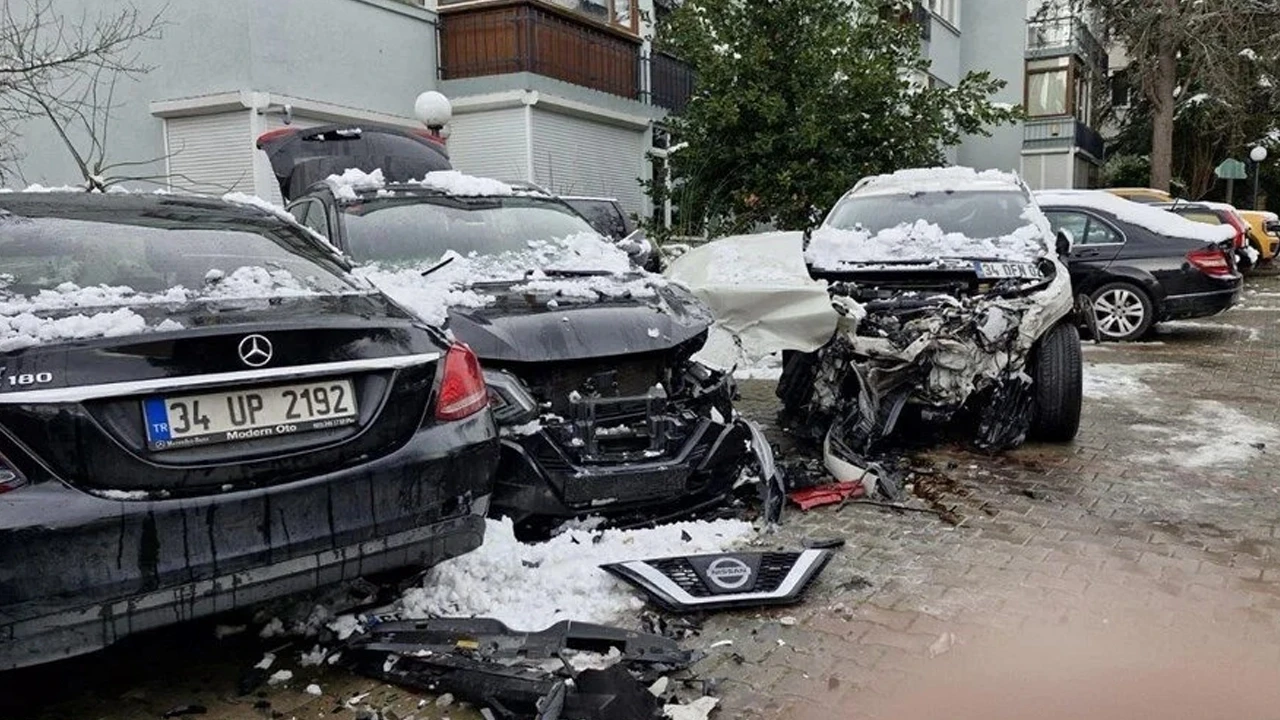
(1121, 89)
(1048, 88)
(948, 10)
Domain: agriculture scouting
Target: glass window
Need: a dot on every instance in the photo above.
(1202, 216)
(317, 218)
(413, 230)
(1100, 233)
(987, 214)
(1047, 93)
(1075, 223)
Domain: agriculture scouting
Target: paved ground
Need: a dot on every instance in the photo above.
(1151, 541)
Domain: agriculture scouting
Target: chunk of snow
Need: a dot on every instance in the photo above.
(314, 689)
(655, 332)
(1155, 219)
(352, 181)
(117, 494)
(313, 658)
(280, 677)
(531, 587)
(274, 628)
(345, 626)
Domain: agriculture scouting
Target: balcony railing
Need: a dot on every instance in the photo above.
(478, 40)
(671, 82)
(1062, 132)
(1051, 37)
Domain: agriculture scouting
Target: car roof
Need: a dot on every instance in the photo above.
(87, 205)
(937, 179)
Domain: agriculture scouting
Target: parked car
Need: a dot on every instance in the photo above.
(1139, 265)
(1265, 227)
(1210, 213)
(587, 356)
(1141, 195)
(948, 299)
(201, 410)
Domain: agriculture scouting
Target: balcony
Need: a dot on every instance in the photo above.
(1053, 37)
(1062, 132)
(671, 82)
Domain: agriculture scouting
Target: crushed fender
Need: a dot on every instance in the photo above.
(719, 581)
(521, 674)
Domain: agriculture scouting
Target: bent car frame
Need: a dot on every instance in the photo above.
(200, 410)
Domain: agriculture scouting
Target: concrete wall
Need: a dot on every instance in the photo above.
(994, 39)
(375, 55)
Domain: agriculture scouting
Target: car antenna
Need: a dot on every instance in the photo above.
(439, 265)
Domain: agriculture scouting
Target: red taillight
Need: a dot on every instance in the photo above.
(431, 135)
(1210, 261)
(462, 391)
(270, 135)
(10, 477)
(1241, 229)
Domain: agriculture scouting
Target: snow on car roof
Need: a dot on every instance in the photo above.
(1155, 219)
(937, 179)
(353, 181)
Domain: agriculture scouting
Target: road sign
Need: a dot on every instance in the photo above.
(1230, 169)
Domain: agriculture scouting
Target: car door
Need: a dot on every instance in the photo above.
(1097, 243)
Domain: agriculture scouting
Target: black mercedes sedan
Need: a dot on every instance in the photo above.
(1136, 265)
(590, 360)
(201, 410)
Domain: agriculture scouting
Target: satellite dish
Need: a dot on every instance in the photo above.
(433, 109)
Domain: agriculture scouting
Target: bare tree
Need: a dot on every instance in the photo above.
(66, 70)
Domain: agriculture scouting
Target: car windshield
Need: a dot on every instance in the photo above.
(982, 214)
(153, 253)
(412, 230)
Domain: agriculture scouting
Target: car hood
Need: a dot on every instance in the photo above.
(521, 323)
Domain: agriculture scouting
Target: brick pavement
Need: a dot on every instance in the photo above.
(1162, 515)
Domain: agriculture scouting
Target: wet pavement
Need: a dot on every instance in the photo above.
(1153, 536)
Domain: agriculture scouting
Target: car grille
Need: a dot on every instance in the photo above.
(681, 572)
(631, 376)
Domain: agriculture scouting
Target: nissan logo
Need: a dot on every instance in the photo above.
(729, 573)
(255, 350)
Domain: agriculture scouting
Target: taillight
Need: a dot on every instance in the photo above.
(1241, 229)
(10, 477)
(430, 135)
(1210, 261)
(270, 135)
(462, 391)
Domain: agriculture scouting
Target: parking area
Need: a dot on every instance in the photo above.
(1161, 518)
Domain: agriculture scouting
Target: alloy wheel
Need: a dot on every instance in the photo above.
(1118, 312)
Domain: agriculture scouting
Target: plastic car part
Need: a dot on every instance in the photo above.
(517, 674)
(724, 580)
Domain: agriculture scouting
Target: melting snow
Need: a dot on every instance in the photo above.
(1154, 219)
(530, 587)
(1112, 381)
(1210, 435)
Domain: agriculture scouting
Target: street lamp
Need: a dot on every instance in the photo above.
(434, 110)
(1257, 155)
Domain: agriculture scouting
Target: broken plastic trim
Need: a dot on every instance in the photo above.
(723, 580)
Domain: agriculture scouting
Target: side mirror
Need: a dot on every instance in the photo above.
(1065, 242)
(637, 246)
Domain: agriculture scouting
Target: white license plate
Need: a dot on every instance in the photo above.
(183, 421)
(998, 270)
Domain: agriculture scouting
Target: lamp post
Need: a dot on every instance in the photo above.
(435, 111)
(1257, 155)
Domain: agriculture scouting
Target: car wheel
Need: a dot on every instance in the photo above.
(1058, 385)
(1121, 311)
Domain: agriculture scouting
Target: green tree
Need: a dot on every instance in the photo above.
(798, 99)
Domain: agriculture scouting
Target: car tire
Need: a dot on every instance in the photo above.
(1121, 312)
(1058, 384)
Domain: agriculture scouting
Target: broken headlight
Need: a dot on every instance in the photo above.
(510, 402)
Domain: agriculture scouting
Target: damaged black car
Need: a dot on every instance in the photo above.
(200, 410)
(936, 293)
(588, 358)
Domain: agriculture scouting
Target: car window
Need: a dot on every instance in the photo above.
(316, 218)
(981, 214)
(399, 230)
(1075, 223)
(150, 254)
(1100, 233)
(1202, 216)
(604, 216)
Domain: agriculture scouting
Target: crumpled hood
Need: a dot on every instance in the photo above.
(524, 323)
(762, 296)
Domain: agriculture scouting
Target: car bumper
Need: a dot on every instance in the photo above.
(1200, 304)
(79, 572)
(541, 479)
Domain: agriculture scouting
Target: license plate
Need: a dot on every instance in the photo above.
(238, 415)
(998, 270)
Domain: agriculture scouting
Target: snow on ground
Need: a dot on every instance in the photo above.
(1117, 381)
(530, 587)
(1175, 326)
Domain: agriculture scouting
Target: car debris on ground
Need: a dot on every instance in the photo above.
(719, 581)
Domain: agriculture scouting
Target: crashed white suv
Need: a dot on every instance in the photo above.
(945, 296)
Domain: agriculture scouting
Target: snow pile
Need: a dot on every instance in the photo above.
(1155, 219)
(530, 587)
(834, 249)
(27, 330)
(451, 284)
(352, 182)
(938, 178)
